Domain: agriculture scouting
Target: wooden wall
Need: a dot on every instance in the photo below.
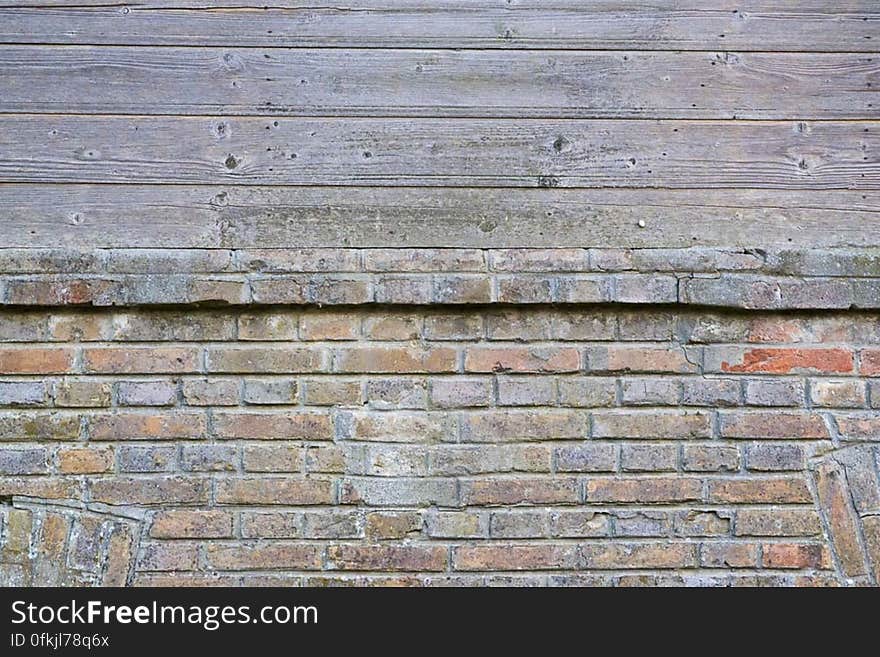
(490, 123)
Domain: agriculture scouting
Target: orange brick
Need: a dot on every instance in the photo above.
(36, 360)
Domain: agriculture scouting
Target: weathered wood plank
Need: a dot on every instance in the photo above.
(440, 152)
(142, 80)
(93, 216)
(797, 25)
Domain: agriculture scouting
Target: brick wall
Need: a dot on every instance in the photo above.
(431, 442)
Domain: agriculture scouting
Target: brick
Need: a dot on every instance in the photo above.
(399, 492)
(387, 558)
(587, 392)
(648, 458)
(411, 289)
(519, 524)
(645, 325)
(710, 458)
(525, 289)
(453, 327)
(459, 392)
(521, 359)
(517, 425)
(335, 523)
(764, 490)
(639, 359)
(652, 424)
(586, 458)
(456, 524)
(84, 393)
(579, 524)
(393, 525)
(379, 360)
(23, 326)
(168, 326)
(839, 394)
(299, 260)
(583, 289)
(462, 289)
(329, 326)
(36, 360)
(280, 289)
(339, 290)
(423, 260)
(729, 555)
(151, 491)
(661, 555)
(869, 362)
(649, 392)
(779, 360)
(400, 427)
(333, 392)
(647, 288)
(774, 393)
(156, 425)
(270, 391)
(268, 326)
(397, 393)
(642, 523)
(26, 425)
(654, 490)
(778, 522)
(146, 459)
(26, 461)
(263, 556)
(147, 393)
(274, 490)
(284, 425)
(526, 391)
(392, 461)
(85, 460)
(184, 523)
(710, 392)
(210, 392)
(281, 524)
(572, 324)
(775, 458)
(141, 360)
(398, 326)
(514, 557)
(209, 458)
(792, 555)
(22, 393)
(836, 506)
(702, 523)
(273, 458)
(493, 492)
(778, 425)
(266, 360)
(168, 557)
(858, 427)
(530, 260)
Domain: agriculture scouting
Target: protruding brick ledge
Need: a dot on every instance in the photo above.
(746, 279)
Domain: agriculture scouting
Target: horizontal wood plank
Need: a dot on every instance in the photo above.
(562, 84)
(94, 216)
(796, 25)
(440, 152)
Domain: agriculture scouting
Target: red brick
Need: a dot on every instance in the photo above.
(784, 360)
(36, 360)
(765, 490)
(869, 362)
(147, 426)
(778, 425)
(793, 555)
(141, 360)
(192, 524)
(515, 557)
(377, 360)
(649, 490)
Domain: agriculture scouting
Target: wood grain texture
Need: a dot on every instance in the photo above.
(440, 152)
(796, 25)
(561, 84)
(143, 216)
